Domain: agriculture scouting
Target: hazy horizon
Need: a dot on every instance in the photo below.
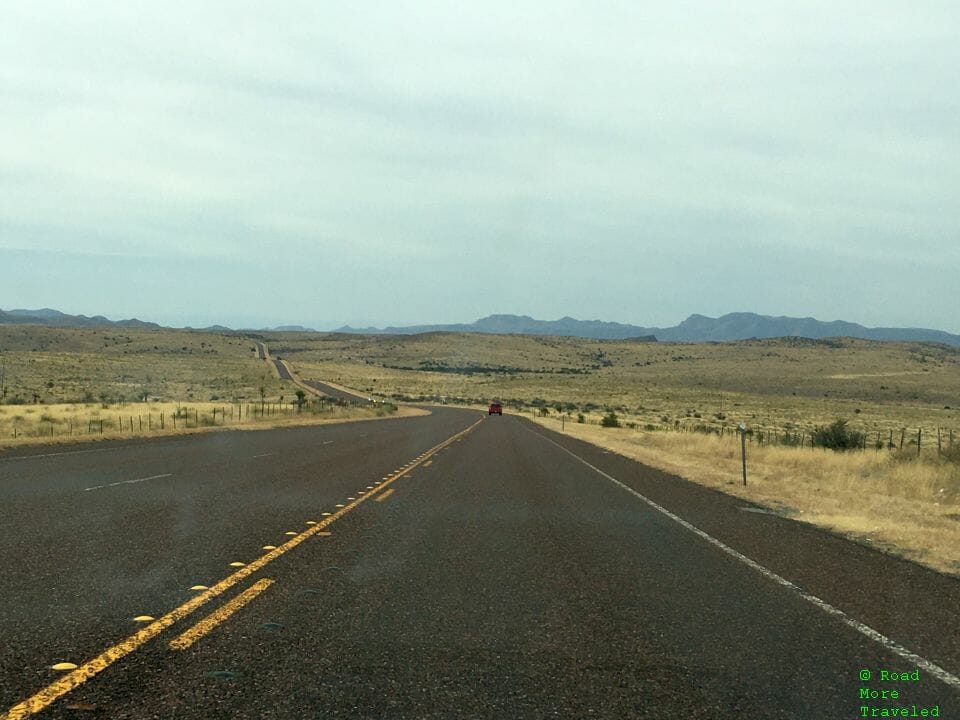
(327, 327)
(380, 165)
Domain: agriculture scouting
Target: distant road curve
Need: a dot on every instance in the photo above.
(335, 393)
(283, 372)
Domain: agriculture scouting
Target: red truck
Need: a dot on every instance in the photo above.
(495, 408)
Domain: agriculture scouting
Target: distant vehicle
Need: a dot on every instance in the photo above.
(495, 408)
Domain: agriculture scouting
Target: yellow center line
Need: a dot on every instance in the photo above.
(385, 495)
(188, 638)
(428, 463)
(57, 689)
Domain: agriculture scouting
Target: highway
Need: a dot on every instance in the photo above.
(447, 566)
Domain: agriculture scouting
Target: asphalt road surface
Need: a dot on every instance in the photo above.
(282, 371)
(333, 392)
(475, 567)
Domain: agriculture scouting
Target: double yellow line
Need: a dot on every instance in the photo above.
(57, 689)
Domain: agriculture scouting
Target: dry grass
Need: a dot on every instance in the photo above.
(769, 385)
(908, 506)
(81, 365)
(786, 384)
(42, 424)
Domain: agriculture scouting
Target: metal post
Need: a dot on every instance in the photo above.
(743, 451)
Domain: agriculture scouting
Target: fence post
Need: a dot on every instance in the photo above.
(903, 433)
(919, 434)
(939, 448)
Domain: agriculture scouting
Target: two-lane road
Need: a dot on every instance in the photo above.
(475, 567)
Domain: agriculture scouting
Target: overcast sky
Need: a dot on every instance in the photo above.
(252, 163)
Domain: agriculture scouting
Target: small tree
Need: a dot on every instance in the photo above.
(610, 420)
(837, 436)
(301, 397)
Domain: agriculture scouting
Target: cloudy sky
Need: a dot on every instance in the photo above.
(253, 163)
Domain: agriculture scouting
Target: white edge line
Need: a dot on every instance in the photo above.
(128, 482)
(865, 630)
(58, 454)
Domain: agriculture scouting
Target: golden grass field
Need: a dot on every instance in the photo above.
(61, 383)
(675, 397)
(887, 499)
(78, 422)
(777, 385)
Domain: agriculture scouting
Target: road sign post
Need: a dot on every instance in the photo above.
(743, 451)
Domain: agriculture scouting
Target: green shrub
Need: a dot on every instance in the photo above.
(610, 420)
(837, 436)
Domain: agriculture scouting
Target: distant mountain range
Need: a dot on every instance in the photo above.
(696, 328)
(55, 318)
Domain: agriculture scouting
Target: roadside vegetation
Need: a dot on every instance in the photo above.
(891, 499)
(857, 436)
(77, 384)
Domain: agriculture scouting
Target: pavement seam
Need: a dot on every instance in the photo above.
(932, 668)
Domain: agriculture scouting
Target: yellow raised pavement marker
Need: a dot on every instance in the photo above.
(326, 514)
(144, 618)
(199, 587)
(269, 547)
(78, 675)
(311, 522)
(290, 532)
